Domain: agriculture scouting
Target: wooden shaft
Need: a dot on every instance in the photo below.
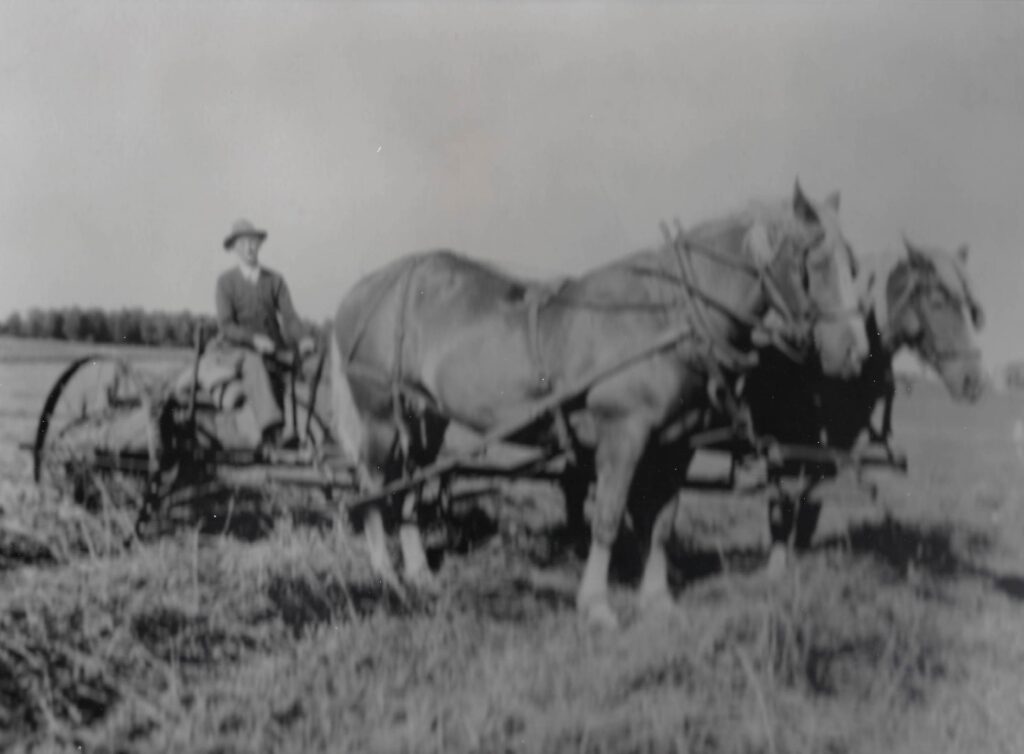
(531, 414)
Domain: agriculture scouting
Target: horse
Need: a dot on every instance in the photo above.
(919, 298)
(438, 337)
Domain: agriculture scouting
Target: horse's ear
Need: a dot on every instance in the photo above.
(914, 254)
(977, 313)
(802, 206)
(832, 201)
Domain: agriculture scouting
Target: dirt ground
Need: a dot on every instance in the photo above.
(900, 631)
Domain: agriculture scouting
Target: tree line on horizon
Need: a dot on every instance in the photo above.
(133, 326)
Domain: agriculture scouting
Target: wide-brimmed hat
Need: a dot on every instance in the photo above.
(243, 228)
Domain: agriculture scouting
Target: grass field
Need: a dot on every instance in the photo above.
(900, 632)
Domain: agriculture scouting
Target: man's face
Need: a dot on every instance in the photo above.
(247, 249)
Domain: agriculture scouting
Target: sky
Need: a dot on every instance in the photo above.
(548, 138)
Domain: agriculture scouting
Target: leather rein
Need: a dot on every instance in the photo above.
(779, 336)
(789, 337)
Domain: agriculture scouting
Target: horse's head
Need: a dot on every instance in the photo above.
(928, 304)
(812, 271)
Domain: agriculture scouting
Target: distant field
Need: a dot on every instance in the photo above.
(14, 350)
(258, 627)
(29, 367)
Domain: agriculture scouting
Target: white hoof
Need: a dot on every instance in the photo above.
(777, 562)
(424, 582)
(600, 615)
(657, 602)
(391, 583)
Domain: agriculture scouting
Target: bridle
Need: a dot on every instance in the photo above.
(918, 284)
(791, 336)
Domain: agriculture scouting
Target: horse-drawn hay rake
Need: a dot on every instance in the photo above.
(106, 426)
(612, 380)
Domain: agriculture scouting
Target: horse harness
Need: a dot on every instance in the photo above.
(716, 354)
(408, 400)
(535, 299)
(716, 351)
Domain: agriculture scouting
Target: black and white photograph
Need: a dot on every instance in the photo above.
(443, 377)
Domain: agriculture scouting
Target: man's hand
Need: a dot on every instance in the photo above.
(263, 344)
(307, 345)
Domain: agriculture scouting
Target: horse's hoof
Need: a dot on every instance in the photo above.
(776, 567)
(659, 602)
(572, 541)
(599, 614)
(424, 583)
(389, 584)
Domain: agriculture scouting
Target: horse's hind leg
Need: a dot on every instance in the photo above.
(414, 555)
(619, 449)
(430, 429)
(380, 559)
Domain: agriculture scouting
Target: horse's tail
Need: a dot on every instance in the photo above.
(349, 430)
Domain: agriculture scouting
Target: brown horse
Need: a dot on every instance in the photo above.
(438, 337)
(920, 299)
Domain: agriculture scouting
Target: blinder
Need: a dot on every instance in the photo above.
(794, 335)
(919, 286)
(798, 327)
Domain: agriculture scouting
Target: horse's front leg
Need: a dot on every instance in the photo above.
(414, 556)
(654, 593)
(620, 446)
(808, 511)
(380, 559)
(781, 514)
(792, 520)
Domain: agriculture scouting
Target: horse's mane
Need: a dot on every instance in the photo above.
(776, 216)
(873, 280)
(461, 259)
(877, 269)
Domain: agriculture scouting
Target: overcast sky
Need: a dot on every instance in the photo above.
(546, 137)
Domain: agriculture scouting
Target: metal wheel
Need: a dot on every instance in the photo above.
(96, 437)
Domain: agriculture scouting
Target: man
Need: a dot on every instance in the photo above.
(257, 319)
